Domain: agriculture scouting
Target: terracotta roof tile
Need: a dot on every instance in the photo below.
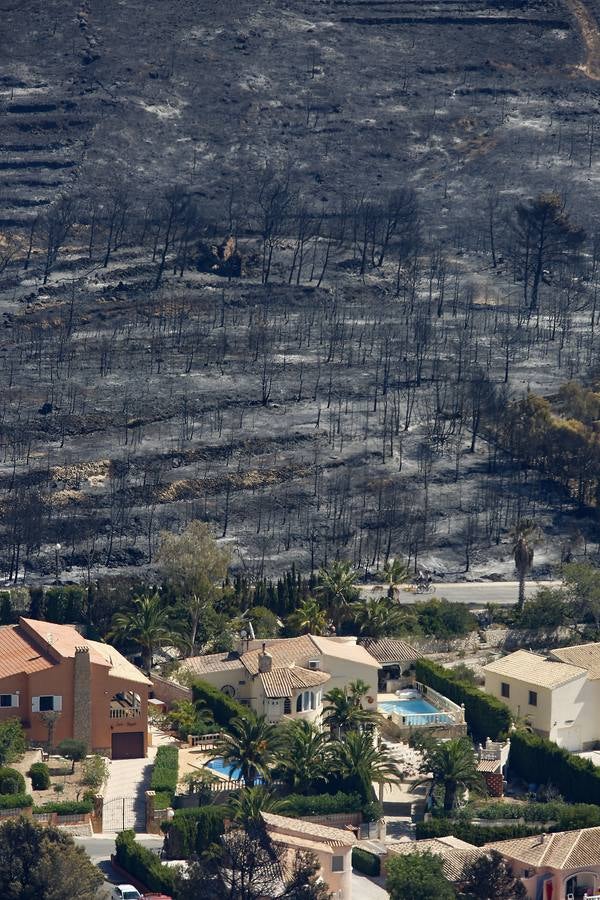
(283, 682)
(455, 859)
(18, 654)
(586, 656)
(488, 765)
(533, 669)
(562, 850)
(212, 662)
(286, 652)
(335, 837)
(390, 650)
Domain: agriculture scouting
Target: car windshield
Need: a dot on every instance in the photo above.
(131, 895)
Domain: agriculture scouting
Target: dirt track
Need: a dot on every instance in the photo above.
(590, 31)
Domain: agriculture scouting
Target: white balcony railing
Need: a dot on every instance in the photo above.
(121, 712)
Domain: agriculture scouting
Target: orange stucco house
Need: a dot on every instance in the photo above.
(98, 695)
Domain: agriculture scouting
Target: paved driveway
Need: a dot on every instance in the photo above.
(364, 888)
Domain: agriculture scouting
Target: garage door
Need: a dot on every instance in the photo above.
(129, 745)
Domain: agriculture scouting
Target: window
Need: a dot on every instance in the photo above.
(505, 689)
(9, 699)
(314, 664)
(46, 703)
(306, 701)
(533, 698)
(337, 863)
(287, 706)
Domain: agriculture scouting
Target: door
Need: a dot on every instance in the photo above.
(128, 745)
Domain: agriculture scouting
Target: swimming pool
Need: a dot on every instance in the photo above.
(414, 710)
(231, 772)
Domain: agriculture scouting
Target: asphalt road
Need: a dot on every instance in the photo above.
(99, 849)
(477, 593)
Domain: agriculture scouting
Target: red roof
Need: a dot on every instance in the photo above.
(19, 654)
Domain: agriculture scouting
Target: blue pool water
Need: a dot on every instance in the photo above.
(415, 712)
(217, 765)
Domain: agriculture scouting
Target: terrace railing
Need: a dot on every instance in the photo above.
(204, 741)
(121, 712)
(457, 713)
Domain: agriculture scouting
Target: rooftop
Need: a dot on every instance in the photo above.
(456, 855)
(390, 650)
(534, 669)
(562, 850)
(335, 837)
(586, 656)
(283, 682)
(18, 655)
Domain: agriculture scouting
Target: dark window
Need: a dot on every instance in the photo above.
(505, 689)
(5, 699)
(46, 703)
(533, 698)
(287, 706)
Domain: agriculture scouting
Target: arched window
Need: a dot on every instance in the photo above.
(299, 703)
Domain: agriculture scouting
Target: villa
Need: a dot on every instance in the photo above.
(558, 695)
(89, 690)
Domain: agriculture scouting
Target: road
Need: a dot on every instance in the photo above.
(99, 849)
(476, 593)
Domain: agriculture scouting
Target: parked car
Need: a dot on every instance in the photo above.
(126, 892)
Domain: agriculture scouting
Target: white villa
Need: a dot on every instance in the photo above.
(289, 676)
(558, 695)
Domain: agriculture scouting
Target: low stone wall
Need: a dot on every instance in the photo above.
(169, 691)
(336, 820)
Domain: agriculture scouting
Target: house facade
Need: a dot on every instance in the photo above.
(288, 677)
(559, 698)
(88, 690)
(556, 866)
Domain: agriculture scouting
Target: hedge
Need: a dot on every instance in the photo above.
(66, 807)
(163, 800)
(299, 805)
(165, 773)
(16, 801)
(473, 834)
(191, 831)
(365, 862)
(40, 776)
(567, 816)
(143, 864)
(486, 716)
(535, 758)
(11, 781)
(223, 708)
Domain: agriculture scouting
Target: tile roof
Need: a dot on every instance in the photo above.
(283, 682)
(456, 855)
(18, 654)
(59, 641)
(586, 656)
(335, 837)
(533, 669)
(120, 667)
(489, 765)
(390, 650)
(212, 662)
(344, 648)
(285, 652)
(562, 850)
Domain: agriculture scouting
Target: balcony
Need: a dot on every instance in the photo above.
(125, 705)
(119, 712)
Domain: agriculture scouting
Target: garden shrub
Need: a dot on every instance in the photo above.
(473, 834)
(365, 862)
(222, 707)
(299, 805)
(533, 757)
(66, 807)
(16, 801)
(568, 816)
(11, 781)
(95, 771)
(163, 800)
(40, 776)
(165, 773)
(486, 716)
(143, 864)
(193, 830)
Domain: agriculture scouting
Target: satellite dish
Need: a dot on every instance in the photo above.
(228, 690)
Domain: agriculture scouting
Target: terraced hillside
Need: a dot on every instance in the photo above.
(364, 160)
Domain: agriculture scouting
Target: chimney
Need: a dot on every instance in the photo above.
(82, 696)
(265, 660)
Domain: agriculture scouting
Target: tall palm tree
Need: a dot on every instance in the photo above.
(376, 618)
(358, 758)
(523, 536)
(343, 709)
(304, 756)
(246, 807)
(309, 618)
(395, 572)
(251, 746)
(454, 767)
(146, 625)
(337, 585)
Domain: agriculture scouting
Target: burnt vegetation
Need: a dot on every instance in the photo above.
(290, 270)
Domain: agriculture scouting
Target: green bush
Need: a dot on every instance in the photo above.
(66, 807)
(365, 862)
(193, 830)
(473, 834)
(567, 816)
(486, 716)
(40, 776)
(298, 805)
(222, 707)
(16, 801)
(143, 864)
(534, 757)
(163, 800)
(11, 781)
(95, 771)
(165, 773)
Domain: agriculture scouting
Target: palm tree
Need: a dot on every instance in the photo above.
(343, 710)
(146, 625)
(395, 572)
(376, 618)
(246, 807)
(523, 535)
(337, 586)
(251, 746)
(453, 766)
(305, 755)
(358, 758)
(309, 618)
